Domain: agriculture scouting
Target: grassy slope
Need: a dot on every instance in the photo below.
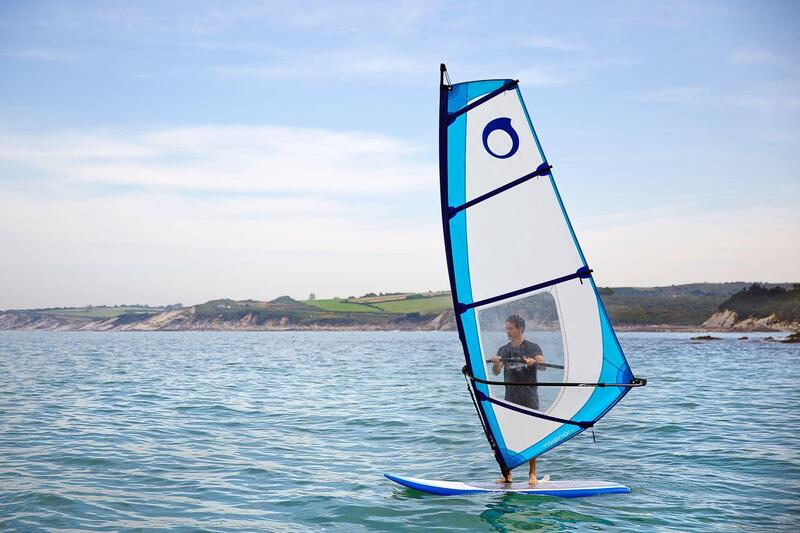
(340, 306)
(284, 307)
(435, 304)
(681, 305)
(100, 312)
(758, 301)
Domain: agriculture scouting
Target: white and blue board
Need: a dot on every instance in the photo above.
(564, 489)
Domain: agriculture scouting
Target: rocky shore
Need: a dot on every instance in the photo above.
(188, 319)
(727, 320)
(702, 308)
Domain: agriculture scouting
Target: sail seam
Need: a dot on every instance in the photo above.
(451, 117)
(541, 170)
(582, 273)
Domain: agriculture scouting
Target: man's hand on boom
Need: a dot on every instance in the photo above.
(536, 359)
(497, 364)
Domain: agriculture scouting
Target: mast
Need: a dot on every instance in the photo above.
(444, 91)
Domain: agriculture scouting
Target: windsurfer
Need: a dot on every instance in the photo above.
(518, 359)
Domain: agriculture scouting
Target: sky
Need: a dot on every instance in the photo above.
(164, 152)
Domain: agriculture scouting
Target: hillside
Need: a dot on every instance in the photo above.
(428, 302)
(759, 307)
(677, 305)
(283, 313)
(766, 306)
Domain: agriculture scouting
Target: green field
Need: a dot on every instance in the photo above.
(681, 305)
(424, 305)
(337, 305)
(435, 304)
(100, 312)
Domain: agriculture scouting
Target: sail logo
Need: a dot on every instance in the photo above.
(501, 124)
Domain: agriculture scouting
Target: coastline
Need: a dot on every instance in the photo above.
(623, 328)
(692, 308)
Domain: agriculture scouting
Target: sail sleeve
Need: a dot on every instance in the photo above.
(512, 254)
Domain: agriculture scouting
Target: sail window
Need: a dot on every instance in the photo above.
(537, 315)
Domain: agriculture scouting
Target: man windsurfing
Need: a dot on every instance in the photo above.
(518, 359)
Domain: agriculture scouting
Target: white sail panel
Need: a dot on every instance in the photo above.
(518, 238)
(486, 172)
(579, 332)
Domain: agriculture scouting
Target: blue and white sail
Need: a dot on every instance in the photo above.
(511, 250)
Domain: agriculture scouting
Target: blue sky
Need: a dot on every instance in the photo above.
(161, 152)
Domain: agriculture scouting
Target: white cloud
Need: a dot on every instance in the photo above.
(35, 54)
(540, 78)
(337, 65)
(683, 95)
(155, 248)
(380, 19)
(226, 158)
(759, 57)
(190, 214)
(680, 246)
(768, 98)
(767, 102)
(550, 43)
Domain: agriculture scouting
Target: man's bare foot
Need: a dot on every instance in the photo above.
(534, 481)
(503, 479)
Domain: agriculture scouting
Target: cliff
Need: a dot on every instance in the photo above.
(759, 308)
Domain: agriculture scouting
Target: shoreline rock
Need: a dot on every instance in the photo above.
(188, 319)
(728, 321)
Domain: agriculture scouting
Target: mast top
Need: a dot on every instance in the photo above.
(443, 75)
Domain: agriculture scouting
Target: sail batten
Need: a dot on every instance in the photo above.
(513, 255)
(543, 169)
(508, 85)
(582, 273)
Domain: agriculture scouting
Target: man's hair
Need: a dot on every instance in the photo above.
(518, 322)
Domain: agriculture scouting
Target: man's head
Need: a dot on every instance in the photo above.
(515, 325)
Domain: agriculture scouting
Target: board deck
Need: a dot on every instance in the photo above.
(564, 489)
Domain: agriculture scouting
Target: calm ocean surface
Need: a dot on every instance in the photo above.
(228, 431)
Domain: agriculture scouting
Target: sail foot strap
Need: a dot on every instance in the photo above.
(583, 272)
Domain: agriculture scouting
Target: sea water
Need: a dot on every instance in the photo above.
(292, 431)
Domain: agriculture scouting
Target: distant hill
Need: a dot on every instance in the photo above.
(282, 313)
(759, 306)
(424, 302)
(759, 301)
(676, 306)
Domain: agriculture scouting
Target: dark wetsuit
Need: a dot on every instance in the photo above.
(516, 371)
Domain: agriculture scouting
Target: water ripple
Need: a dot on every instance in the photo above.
(209, 431)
